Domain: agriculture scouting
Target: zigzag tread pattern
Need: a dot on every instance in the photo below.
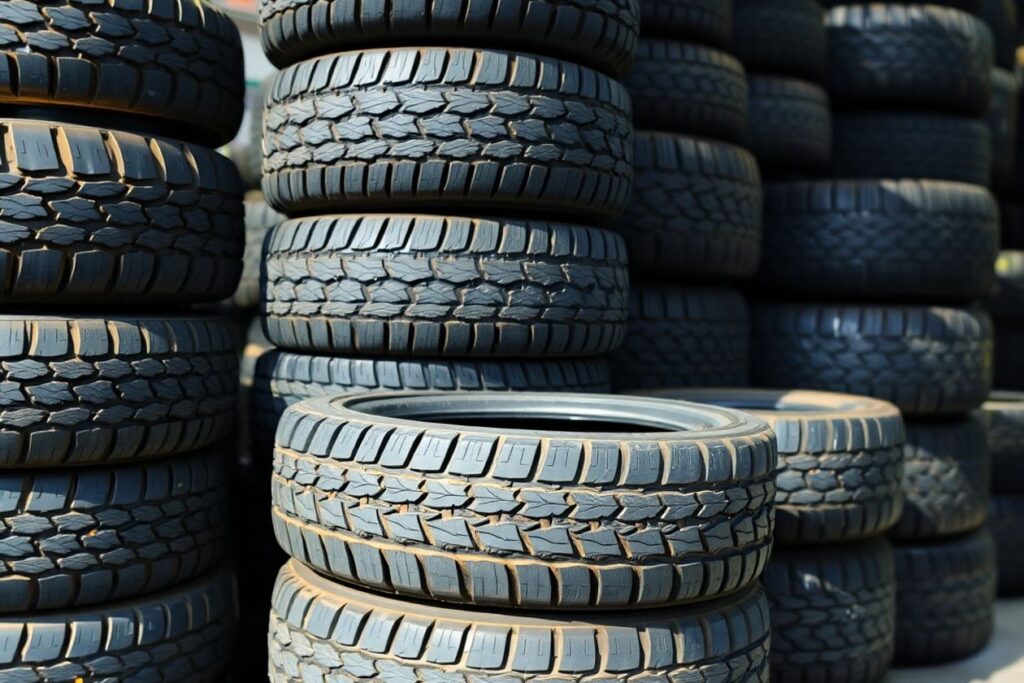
(790, 123)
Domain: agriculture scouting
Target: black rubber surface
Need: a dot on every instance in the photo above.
(703, 21)
(1004, 411)
(783, 37)
(909, 55)
(1003, 121)
(260, 218)
(1006, 519)
(880, 239)
(928, 360)
(600, 33)
(945, 596)
(176, 63)
(435, 127)
(532, 500)
(833, 612)
(684, 336)
(790, 124)
(695, 209)
(434, 286)
(1001, 17)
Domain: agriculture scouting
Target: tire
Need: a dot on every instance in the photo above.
(945, 598)
(947, 478)
(790, 124)
(729, 639)
(183, 634)
(708, 22)
(688, 88)
(133, 64)
(1007, 298)
(1009, 372)
(696, 208)
(880, 239)
(101, 214)
(784, 37)
(1006, 519)
(259, 220)
(1005, 413)
(684, 336)
(1002, 120)
(532, 525)
(911, 145)
(840, 459)
(909, 55)
(1001, 18)
(833, 612)
(928, 360)
(444, 286)
(88, 536)
(428, 128)
(101, 390)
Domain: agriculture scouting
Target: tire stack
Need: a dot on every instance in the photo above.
(114, 419)
(538, 536)
(878, 267)
(694, 219)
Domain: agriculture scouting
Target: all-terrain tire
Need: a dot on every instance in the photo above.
(430, 128)
(833, 612)
(1003, 121)
(684, 336)
(1004, 411)
(695, 209)
(1006, 520)
(784, 37)
(434, 286)
(909, 55)
(688, 88)
(318, 625)
(173, 66)
(896, 239)
(928, 360)
(260, 218)
(945, 598)
(93, 214)
(91, 390)
(702, 21)
(790, 124)
(1001, 17)
(496, 499)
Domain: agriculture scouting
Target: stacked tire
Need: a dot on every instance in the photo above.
(693, 222)
(907, 229)
(115, 422)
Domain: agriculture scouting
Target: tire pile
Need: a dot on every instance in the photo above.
(115, 420)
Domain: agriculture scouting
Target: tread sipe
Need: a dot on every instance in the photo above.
(702, 21)
(1004, 411)
(174, 65)
(93, 214)
(92, 390)
(790, 123)
(431, 128)
(497, 499)
(784, 37)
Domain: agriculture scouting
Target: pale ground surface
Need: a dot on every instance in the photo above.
(1001, 662)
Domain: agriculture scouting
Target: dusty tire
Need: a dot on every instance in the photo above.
(702, 21)
(840, 459)
(833, 612)
(909, 55)
(688, 88)
(422, 129)
(434, 286)
(911, 145)
(725, 640)
(945, 598)
(1005, 413)
(589, 518)
(1001, 17)
(928, 360)
(180, 634)
(785, 37)
(92, 214)
(790, 124)
(92, 390)
(895, 239)
(695, 208)
(946, 478)
(1006, 520)
(684, 336)
(135, 64)
(259, 220)
(1002, 119)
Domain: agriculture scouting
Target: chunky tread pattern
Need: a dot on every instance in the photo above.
(880, 238)
(785, 37)
(176, 61)
(790, 123)
(688, 88)
(444, 286)
(260, 218)
(696, 208)
(1006, 520)
(324, 630)
(434, 127)
(833, 612)
(1005, 414)
(89, 213)
(101, 390)
(684, 336)
(945, 598)
(928, 360)
(912, 55)
(702, 21)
